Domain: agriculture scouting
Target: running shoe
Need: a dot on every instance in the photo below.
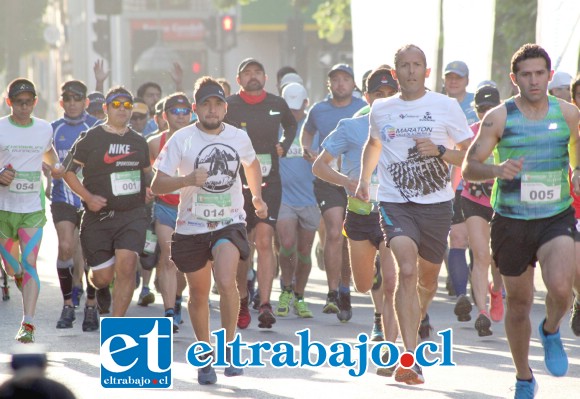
(331, 303)
(377, 334)
(104, 300)
(284, 303)
(231, 370)
(463, 308)
(206, 375)
(77, 293)
(425, 328)
(575, 319)
(301, 309)
(345, 313)
(67, 317)
(146, 297)
(91, 320)
(385, 357)
(244, 317)
(495, 304)
(25, 333)
(526, 389)
(177, 310)
(555, 357)
(483, 324)
(266, 318)
(171, 313)
(410, 376)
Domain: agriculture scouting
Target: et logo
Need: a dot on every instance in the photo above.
(136, 352)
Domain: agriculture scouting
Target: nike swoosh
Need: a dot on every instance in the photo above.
(109, 159)
(271, 218)
(274, 112)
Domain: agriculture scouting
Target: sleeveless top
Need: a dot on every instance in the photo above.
(542, 188)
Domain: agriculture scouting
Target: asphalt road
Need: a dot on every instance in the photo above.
(484, 368)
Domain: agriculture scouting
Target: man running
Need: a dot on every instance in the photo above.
(25, 143)
(529, 135)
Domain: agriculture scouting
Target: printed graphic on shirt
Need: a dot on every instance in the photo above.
(117, 152)
(418, 175)
(222, 163)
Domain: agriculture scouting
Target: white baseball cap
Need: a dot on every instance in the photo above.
(290, 78)
(560, 79)
(294, 94)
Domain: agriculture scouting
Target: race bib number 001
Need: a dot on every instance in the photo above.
(25, 183)
(540, 187)
(126, 183)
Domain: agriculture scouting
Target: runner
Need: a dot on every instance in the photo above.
(116, 169)
(211, 220)
(531, 200)
(26, 143)
(411, 138)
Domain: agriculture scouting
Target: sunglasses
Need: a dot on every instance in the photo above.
(22, 103)
(116, 104)
(73, 97)
(180, 111)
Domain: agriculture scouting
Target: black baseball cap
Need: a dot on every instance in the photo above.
(249, 61)
(486, 95)
(207, 91)
(178, 99)
(75, 87)
(96, 100)
(381, 77)
(20, 85)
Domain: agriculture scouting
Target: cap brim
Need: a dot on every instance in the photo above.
(202, 99)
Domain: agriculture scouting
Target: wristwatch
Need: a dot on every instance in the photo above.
(442, 150)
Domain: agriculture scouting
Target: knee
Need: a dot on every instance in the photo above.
(518, 307)
(407, 274)
(65, 250)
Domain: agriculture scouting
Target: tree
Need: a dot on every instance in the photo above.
(515, 25)
(22, 29)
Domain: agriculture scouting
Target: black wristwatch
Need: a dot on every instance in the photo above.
(442, 150)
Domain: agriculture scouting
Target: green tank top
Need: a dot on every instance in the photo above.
(542, 188)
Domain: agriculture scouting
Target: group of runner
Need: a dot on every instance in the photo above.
(225, 181)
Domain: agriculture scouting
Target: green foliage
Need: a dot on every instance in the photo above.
(515, 25)
(22, 29)
(332, 16)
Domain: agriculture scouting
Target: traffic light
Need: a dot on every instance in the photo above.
(228, 32)
(102, 43)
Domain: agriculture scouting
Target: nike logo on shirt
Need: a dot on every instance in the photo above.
(112, 159)
(272, 112)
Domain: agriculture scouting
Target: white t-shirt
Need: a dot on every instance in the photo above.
(23, 147)
(404, 175)
(219, 202)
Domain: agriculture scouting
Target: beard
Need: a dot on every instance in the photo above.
(253, 85)
(210, 125)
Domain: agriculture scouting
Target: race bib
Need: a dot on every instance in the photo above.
(212, 207)
(126, 183)
(295, 150)
(540, 187)
(150, 242)
(265, 163)
(26, 183)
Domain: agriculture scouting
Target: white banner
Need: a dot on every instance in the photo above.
(380, 27)
(558, 31)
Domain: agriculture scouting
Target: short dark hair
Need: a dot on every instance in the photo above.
(143, 88)
(573, 86)
(528, 51)
(118, 90)
(204, 81)
(408, 47)
(283, 71)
